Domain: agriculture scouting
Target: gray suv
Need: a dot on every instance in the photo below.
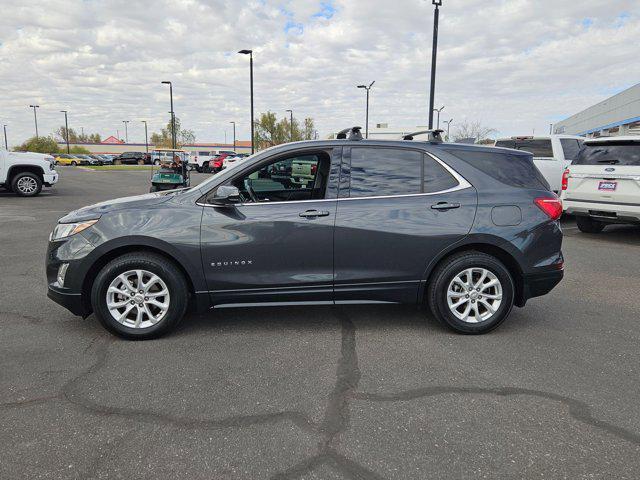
(468, 230)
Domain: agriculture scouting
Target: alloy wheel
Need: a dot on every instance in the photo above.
(138, 299)
(474, 295)
(27, 185)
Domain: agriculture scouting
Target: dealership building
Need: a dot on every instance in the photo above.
(617, 115)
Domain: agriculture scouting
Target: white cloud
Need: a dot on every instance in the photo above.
(514, 64)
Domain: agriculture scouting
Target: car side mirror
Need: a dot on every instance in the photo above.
(226, 195)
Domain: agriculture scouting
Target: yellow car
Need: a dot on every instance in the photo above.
(66, 159)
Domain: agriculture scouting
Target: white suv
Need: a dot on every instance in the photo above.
(552, 154)
(602, 185)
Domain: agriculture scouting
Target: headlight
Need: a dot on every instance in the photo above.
(64, 230)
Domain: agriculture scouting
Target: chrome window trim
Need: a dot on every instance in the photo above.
(462, 185)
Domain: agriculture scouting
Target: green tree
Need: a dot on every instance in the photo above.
(39, 145)
(74, 137)
(269, 131)
(163, 138)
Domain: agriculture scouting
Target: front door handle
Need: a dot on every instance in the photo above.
(313, 214)
(445, 206)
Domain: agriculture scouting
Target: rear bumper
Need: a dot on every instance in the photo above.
(538, 284)
(604, 211)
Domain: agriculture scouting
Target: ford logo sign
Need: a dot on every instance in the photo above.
(609, 169)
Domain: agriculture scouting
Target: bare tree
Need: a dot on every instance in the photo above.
(473, 130)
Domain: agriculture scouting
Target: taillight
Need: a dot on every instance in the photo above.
(551, 206)
(565, 179)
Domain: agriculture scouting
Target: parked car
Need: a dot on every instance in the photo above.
(72, 160)
(90, 159)
(468, 230)
(200, 159)
(552, 154)
(106, 159)
(24, 173)
(602, 186)
(130, 158)
(232, 160)
(217, 163)
(161, 156)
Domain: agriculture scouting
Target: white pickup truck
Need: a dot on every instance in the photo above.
(24, 173)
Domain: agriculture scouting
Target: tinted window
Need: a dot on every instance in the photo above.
(537, 147)
(516, 170)
(570, 147)
(385, 171)
(203, 154)
(436, 177)
(610, 153)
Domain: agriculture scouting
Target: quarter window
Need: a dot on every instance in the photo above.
(385, 172)
(436, 177)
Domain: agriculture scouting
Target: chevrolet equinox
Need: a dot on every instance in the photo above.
(468, 230)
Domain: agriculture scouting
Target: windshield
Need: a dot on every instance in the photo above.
(609, 153)
(538, 147)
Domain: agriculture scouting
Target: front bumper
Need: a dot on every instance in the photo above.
(71, 301)
(50, 178)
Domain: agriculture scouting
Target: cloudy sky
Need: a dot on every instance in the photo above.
(515, 65)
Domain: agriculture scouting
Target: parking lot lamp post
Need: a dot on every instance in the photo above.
(434, 50)
(6, 145)
(448, 122)
(146, 137)
(35, 117)
(66, 129)
(234, 135)
(250, 53)
(126, 131)
(438, 110)
(290, 125)
(173, 115)
(366, 125)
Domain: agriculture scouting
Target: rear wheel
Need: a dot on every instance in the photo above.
(139, 296)
(74, 163)
(141, 162)
(26, 184)
(117, 162)
(471, 292)
(589, 225)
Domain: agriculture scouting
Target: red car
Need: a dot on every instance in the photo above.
(215, 165)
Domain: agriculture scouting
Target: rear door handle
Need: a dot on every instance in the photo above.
(313, 214)
(445, 206)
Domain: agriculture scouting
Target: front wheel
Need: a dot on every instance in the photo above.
(74, 164)
(589, 225)
(26, 184)
(139, 296)
(471, 293)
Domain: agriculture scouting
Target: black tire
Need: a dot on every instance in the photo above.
(444, 275)
(151, 262)
(153, 189)
(198, 168)
(26, 184)
(74, 164)
(589, 225)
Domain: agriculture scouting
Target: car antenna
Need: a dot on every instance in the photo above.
(434, 136)
(354, 133)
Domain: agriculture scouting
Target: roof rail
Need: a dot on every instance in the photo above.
(353, 134)
(434, 135)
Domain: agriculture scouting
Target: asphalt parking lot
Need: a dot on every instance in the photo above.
(369, 392)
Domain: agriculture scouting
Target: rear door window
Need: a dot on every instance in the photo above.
(379, 172)
(609, 153)
(513, 169)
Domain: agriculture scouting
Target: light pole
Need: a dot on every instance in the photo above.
(173, 115)
(448, 122)
(66, 129)
(35, 117)
(290, 125)
(234, 134)
(146, 137)
(366, 128)
(438, 110)
(126, 131)
(6, 144)
(434, 50)
(250, 53)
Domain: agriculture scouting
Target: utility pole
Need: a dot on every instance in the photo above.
(66, 129)
(173, 115)
(6, 144)
(448, 122)
(366, 135)
(126, 131)
(438, 110)
(250, 53)
(290, 125)
(234, 134)
(434, 51)
(35, 117)
(146, 137)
